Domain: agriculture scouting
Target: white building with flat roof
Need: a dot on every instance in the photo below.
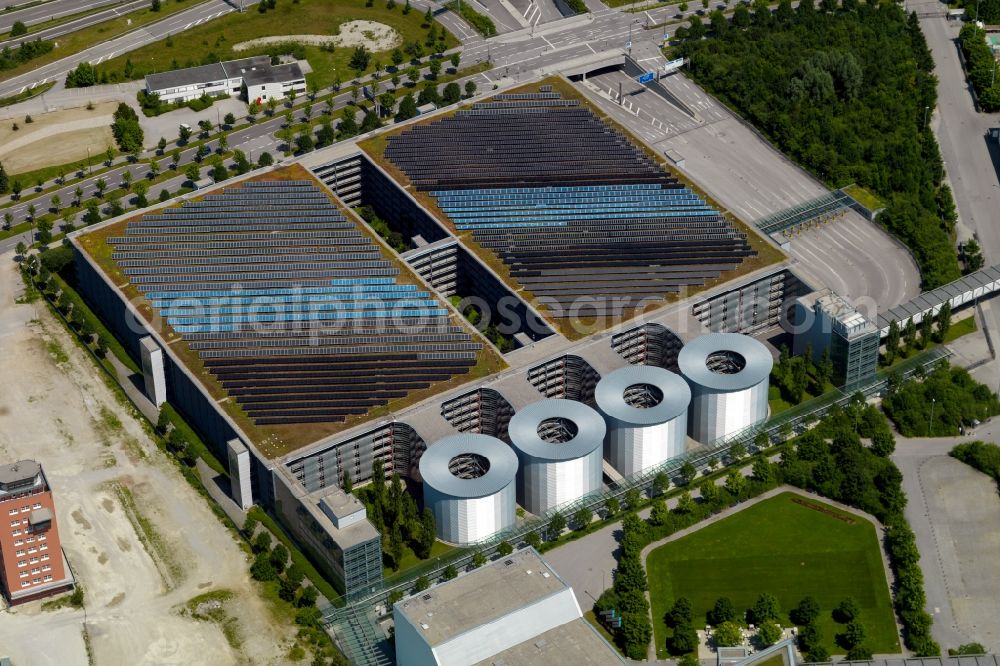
(516, 610)
(254, 78)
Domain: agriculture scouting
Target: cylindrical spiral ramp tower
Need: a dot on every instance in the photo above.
(559, 444)
(646, 409)
(469, 484)
(728, 374)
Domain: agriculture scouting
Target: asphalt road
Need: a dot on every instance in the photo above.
(79, 23)
(47, 11)
(970, 162)
(128, 42)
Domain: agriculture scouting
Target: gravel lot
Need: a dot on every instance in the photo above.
(55, 408)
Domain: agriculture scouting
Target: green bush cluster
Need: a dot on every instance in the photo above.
(127, 132)
(845, 91)
(394, 513)
(981, 65)
(27, 51)
(483, 24)
(980, 455)
(940, 404)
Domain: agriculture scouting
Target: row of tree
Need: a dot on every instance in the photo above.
(981, 65)
(797, 376)
(394, 513)
(26, 52)
(932, 328)
(846, 91)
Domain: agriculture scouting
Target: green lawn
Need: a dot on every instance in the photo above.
(215, 39)
(785, 549)
(411, 560)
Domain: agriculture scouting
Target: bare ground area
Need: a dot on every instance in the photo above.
(373, 35)
(141, 541)
(55, 138)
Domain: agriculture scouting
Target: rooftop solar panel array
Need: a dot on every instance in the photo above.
(298, 326)
(572, 207)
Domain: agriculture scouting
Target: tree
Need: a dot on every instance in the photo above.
(737, 451)
(93, 214)
(279, 557)
(728, 634)
(768, 633)
(16, 187)
(533, 539)
(854, 634)
(20, 249)
(478, 559)
(18, 29)
(926, 329)
(101, 185)
(687, 472)
(633, 498)
(805, 612)
(504, 548)
(557, 523)
(723, 611)
(762, 472)
(684, 640)
(910, 334)
(4, 180)
(452, 93)
(736, 483)
(847, 611)
(428, 533)
(892, 341)
(184, 134)
(360, 59)
(680, 613)
(56, 203)
(470, 88)
(435, 69)
(44, 232)
(345, 482)
(308, 597)
(582, 517)
(943, 321)
(765, 609)
(192, 172)
(611, 507)
(973, 256)
(164, 195)
(407, 108)
(265, 160)
(450, 572)
(262, 542)
(685, 503)
(127, 180)
(304, 142)
(859, 653)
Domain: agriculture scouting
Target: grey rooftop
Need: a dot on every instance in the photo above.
(481, 596)
(435, 462)
(523, 429)
(610, 395)
(694, 358)
(19, 473)
(217, 71)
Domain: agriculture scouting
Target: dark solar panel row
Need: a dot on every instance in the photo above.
(292, 309)
(574, 209)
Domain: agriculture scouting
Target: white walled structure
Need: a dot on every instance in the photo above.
(515, 610)
(153, 375)
(559, 444)
(469, 484)
(728, 374)
(645, 408)
(239, 473)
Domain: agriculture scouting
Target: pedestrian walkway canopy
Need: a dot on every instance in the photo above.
(963, 291)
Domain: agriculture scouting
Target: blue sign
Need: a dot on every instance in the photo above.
(647, 77)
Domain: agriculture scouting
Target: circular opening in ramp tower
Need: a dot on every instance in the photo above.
(557, 430)
(469, 466)
(726, 362)
(642, 396)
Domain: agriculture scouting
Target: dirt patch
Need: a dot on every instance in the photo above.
(130, 618)
(108, 505)
(373, 35)
(55, 138)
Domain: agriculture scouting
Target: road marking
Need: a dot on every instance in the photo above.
(591, 49)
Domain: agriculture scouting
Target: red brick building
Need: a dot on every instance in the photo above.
(32, 564)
